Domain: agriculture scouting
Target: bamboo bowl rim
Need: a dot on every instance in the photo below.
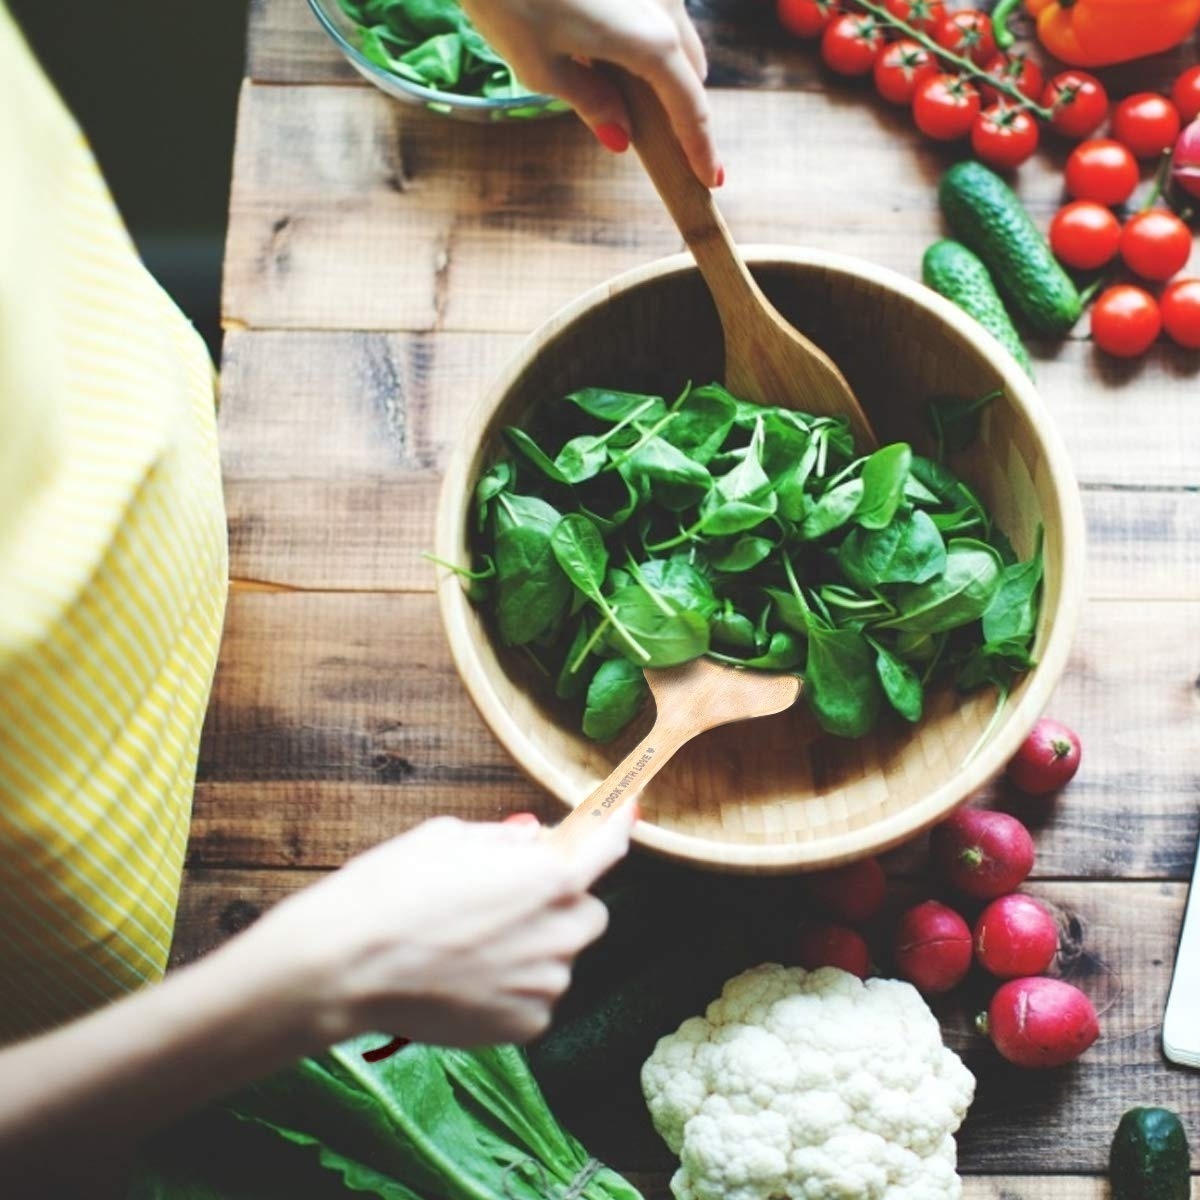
(843, 846)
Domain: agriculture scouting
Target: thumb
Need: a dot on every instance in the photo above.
(594, 97)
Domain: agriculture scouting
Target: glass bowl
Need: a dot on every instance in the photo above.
(344, 33)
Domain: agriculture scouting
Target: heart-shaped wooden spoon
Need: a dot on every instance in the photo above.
(691, 699)
(767, 360)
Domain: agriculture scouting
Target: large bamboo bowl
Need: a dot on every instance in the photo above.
(765, 796)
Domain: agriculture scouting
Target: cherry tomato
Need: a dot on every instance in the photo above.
(1078, 101)
(850, 45)
(1101, 170)
(1181, 312)
(1147, 123)
(1085, 235)
(924, 15)
(806, 18)
(1004, 136)
(968, 34)
(899, 69)
(1018, 70)
(1125, 321)
(945, 107)
(1156, 244)
(1186, 95)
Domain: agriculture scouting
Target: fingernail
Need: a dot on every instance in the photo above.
(719, 180)
(637, 811)
(521, 818)
(612, 137)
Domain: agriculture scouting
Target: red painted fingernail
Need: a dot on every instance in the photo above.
(720, 179)
(612, 137)
(522, 818)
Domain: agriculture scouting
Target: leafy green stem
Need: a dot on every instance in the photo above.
(958, 61)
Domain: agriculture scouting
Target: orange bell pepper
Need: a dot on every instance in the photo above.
(1094, 33)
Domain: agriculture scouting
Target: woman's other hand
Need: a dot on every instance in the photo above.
(455, 933)
(552, 44)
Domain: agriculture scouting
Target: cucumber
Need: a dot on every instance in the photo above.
(1149, 1159)
(615, 1035)
(956, 273)
(986, 215)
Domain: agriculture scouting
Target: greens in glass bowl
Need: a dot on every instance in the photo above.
(427, 52)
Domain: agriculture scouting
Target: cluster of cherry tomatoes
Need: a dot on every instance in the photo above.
(1154, 244)
(955, 81)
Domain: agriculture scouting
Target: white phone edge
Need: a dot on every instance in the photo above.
(1181, 1018)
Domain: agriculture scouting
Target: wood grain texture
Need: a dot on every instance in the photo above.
(338, 720)
(745, 45)
(381, 217)
(1115, 940)
(332, 444)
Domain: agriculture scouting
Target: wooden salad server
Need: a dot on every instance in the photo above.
(692, 698)
(767, 360)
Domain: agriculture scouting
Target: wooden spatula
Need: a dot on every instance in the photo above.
(767, 360)
(695, 697)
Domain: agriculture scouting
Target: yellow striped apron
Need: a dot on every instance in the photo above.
(112, 575)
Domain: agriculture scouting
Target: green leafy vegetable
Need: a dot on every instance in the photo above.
(625, 532)
(431, 43)
(423, 1124)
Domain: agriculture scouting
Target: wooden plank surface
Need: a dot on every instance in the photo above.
(332, 443)
(745, 49)
(382, 264)
(382, 217)
(338, 720)
(1115, 937)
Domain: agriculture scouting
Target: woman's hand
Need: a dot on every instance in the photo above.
(454, 933)
(551, 45)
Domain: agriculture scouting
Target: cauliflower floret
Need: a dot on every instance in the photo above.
(810, 1085)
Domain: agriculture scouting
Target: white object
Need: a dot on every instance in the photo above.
(1181, 1022)
(810, 1083)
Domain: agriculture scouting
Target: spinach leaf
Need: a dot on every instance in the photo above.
(833, 510)
(785, 653)
(522, 442)
(959, 595)
(907, 550)
(677, 581)
(702, 423)
(994, 662)
(611, 407)
(532, 593)
(669, 635)
(883, 478)
(955, 423)
(580, 551)
(744, 555)
(1013, 611)
(675, 481)
(901, 684)
(840, 680)
(733, 629)
(572, 677)
(496, 479)
(614, 697)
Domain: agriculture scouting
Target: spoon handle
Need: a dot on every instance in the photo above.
(689, 202)
(627, 778)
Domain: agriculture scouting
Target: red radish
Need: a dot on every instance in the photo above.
(982, 853)
(1047, 760)
(1015, 936)
(1039, 1022)
(853, 893)
(933, 947)
(820, 944)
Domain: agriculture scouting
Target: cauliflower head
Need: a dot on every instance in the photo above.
(810, 1085)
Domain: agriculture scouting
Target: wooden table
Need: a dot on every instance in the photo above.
(383, 263)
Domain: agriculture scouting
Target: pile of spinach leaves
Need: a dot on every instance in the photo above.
(626, 532)
(431, 43)
(425, 1124)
